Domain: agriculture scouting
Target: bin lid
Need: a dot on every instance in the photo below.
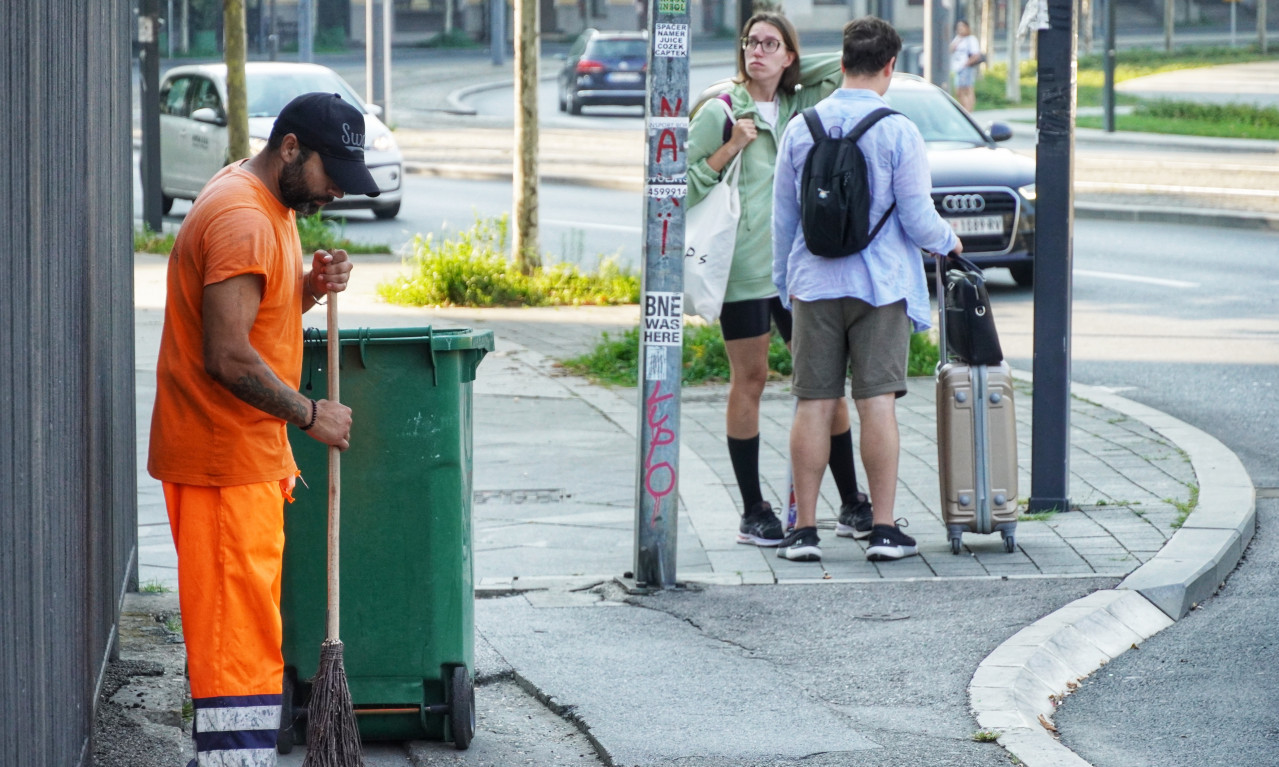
(440, 339)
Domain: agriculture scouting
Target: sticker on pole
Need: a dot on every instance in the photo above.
(655, 363)
(672, 6)
(663, 319)
(670, 40)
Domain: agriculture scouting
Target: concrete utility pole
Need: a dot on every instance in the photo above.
(1261, 25)
(1170, 20)
(497, 31)
(237, 99)
(148, 47)
(378, 17)
(662, 295)
(938, 25)
(524, 245)
(1012, 84)
(1108, 89)
(1054, 253)
(306, 30)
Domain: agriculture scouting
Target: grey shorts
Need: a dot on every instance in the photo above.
(847, 337)
(966, 77)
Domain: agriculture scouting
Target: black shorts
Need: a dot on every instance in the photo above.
(749, 319)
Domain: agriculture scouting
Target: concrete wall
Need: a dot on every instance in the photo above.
(68, 525)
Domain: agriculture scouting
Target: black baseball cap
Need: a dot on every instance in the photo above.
(334, 129)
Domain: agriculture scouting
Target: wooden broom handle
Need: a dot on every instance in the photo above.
(335, 474)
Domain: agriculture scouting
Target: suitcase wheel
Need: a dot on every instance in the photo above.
(956, 544)
(1010, 542)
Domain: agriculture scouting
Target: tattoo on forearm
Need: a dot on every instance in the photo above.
(261, 395)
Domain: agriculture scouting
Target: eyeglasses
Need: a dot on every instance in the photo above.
(768, 46)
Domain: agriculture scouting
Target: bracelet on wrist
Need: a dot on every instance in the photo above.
(314, 411)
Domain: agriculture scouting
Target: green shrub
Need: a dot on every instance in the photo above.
(472, 269)
(147, 241)
(615, 359)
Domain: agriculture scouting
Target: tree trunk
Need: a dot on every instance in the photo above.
(525, 249)
(237, 100)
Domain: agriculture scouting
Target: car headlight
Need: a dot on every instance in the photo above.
(1028, 191)
(256, 145)
(383, 143)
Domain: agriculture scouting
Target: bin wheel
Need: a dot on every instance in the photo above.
(461, 708)
(1010, 543)
(284, 739)
(956, 544)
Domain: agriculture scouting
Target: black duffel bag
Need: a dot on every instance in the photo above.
(970, 325)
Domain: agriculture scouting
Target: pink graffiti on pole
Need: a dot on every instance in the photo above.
(659, 435)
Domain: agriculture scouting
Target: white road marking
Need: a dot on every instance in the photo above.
(1107, 186)
(1135, 278)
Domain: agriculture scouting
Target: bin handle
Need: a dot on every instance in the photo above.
(430, 346)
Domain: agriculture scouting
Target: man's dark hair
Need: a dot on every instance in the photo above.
(276, 138)
(869, 44)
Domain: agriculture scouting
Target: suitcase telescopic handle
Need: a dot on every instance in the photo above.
(939, 271)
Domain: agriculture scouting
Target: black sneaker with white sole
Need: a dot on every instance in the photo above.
(888, 542)
(760, 526)
(801, 546)
(855, 519)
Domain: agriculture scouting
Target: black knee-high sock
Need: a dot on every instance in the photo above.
(744, 454)
(842, 466)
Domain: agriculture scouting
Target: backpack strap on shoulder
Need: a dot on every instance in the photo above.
(869, 120)
(815, 126)
(860, 128)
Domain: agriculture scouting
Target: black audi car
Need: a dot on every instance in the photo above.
(985, 192)
(604, 68)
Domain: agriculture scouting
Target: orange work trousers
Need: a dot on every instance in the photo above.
(230, 543)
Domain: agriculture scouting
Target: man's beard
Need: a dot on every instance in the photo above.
(294, 191)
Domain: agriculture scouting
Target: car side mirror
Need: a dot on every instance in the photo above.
(999, 131)
(208, 115)
(374, 109)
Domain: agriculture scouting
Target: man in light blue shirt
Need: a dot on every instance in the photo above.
(853, 316)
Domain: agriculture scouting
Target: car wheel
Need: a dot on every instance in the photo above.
(387, 211)
(563, 102)
(166, 204)
(574, 106)
(1023, 274)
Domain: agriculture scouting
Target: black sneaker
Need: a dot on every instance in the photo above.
(801, 546)
(760, 526)
(855, 519)
(888, 542)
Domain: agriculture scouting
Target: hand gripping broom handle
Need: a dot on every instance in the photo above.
(335, 475)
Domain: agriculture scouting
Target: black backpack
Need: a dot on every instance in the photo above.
(834, 197)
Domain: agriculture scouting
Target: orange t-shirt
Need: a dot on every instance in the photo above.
(201, 433)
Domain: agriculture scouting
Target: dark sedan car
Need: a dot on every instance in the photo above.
(604, 68)
(986, 193)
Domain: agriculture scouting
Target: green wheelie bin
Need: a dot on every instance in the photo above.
(407, 599)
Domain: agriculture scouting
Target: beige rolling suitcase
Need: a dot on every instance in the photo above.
(976, 442)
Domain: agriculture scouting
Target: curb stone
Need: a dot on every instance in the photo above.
(1017, 687)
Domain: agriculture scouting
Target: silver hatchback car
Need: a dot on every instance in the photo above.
(193, 135)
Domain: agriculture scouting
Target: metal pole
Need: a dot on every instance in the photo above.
(1261, 26)
(388, 35)
(1233, 14)
(662, 294)
(305, 31)
(169, 27)
(1108, 94)
(149, 68)
(1012, 86)
(369, 92)
(1170, 21)
(1054, 218)
(497, 31)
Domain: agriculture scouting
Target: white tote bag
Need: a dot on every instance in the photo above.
(710, 236)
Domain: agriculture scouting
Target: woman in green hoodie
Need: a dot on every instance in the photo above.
(771, 87)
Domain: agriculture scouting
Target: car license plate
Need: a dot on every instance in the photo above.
(977, 225)
(624, 77)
